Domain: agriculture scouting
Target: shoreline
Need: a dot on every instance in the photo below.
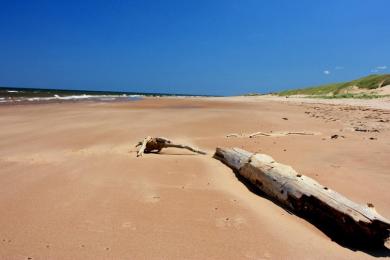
(379, 103)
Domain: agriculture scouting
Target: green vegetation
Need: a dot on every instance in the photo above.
(320, 90)
(333, 90)
(350, 95)
(253, 94)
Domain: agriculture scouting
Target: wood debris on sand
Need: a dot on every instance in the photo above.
(156, 144)
(273, 134)
(308, 198)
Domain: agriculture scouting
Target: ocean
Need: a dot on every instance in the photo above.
(30, 95)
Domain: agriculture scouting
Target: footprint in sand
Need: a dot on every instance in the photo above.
(227, 222)
(152, 199)
(129, 225)
(253, 255)
(146, 191)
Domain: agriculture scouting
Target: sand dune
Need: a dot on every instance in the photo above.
(72, 187)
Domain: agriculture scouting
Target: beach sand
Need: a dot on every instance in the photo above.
(72, 187)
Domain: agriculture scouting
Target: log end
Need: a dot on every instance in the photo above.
(235, 158)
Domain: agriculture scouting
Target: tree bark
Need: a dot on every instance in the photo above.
(322, 206)
(156, 144)
(192, 149)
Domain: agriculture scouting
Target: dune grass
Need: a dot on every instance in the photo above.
(369, 82)
(349, 95)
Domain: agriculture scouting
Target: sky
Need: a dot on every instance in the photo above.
(215, 47)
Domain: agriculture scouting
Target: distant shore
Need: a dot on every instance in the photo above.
(10, 97)
(379, 103)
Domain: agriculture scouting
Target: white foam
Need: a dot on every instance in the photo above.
(84, 96)
(12, 91)
(79, 97)
(73, 97)
(107, 98)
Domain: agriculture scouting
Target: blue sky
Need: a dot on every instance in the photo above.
(222, 47)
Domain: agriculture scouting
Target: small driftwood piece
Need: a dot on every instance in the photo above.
(322, 206)
(272, 134)
(156, 144)
(281, 134)
(233, 135)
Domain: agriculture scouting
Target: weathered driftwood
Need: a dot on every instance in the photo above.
(156, 144)
(308, 198)
(233, 135)
(272, 134)
(281, 134)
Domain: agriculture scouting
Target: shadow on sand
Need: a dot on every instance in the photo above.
(328, 228)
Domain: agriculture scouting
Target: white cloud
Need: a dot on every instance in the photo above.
(379, 69)
(326, 72)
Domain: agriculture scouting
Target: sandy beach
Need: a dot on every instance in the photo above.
(73, 188)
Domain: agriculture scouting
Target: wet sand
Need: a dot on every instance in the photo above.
(72, 187)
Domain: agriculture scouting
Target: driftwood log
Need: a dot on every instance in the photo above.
(156, 144)
(304, 196)
(272, 134)
(280, 134)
